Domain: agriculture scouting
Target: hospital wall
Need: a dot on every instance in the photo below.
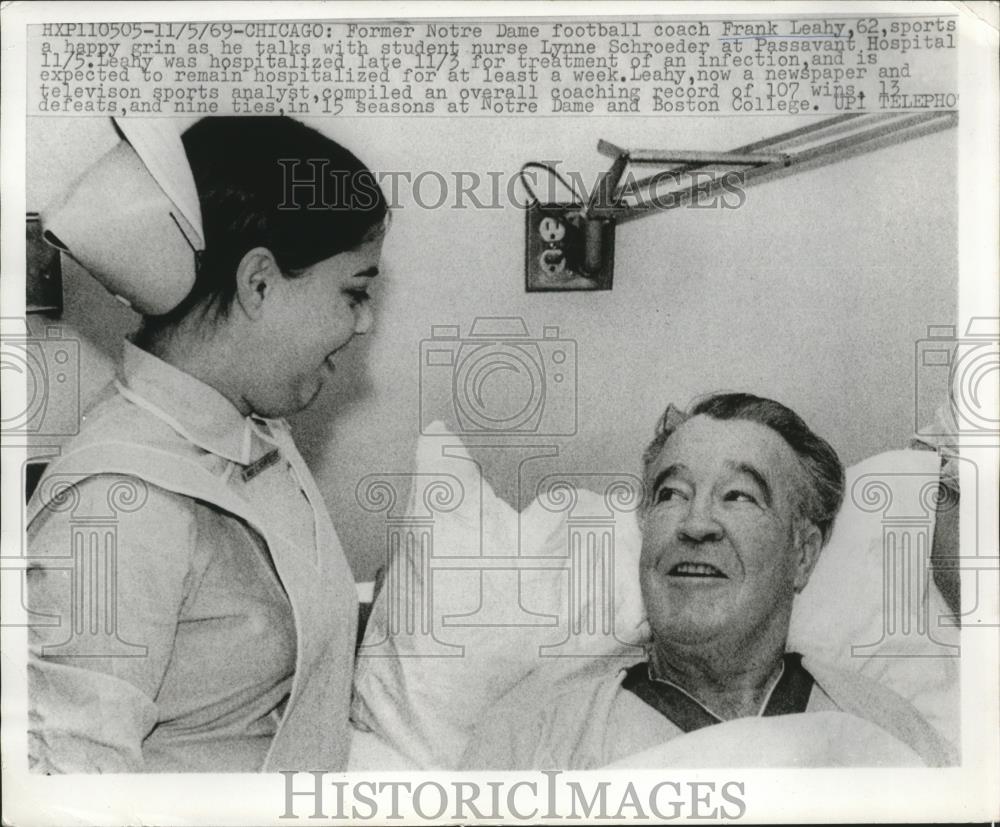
(815, 292)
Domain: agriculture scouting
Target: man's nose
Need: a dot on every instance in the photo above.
(699, 524)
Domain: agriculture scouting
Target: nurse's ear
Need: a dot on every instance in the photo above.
(257, 277)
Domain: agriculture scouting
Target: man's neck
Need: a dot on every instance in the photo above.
(728, 677)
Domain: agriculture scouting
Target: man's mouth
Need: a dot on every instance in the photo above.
(696, 570)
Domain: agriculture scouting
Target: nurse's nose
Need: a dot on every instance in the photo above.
(364, 318)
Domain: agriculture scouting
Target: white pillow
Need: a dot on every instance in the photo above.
(476, 596)
(871, 604)
(430, 667)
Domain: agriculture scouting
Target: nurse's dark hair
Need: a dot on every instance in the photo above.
(820, 499)
(276, 183)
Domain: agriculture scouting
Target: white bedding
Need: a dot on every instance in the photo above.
(815, 739)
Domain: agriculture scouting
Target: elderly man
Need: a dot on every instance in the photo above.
(740, 498)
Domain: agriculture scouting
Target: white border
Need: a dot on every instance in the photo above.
(969, 793)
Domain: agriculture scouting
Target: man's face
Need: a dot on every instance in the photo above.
(722, 550)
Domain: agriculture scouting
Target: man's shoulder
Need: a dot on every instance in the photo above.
(548, 720)
(600, 675)
(579, 693)
(848, 684)
(859, 695)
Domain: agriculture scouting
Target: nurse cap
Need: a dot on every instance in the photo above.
(133, 219)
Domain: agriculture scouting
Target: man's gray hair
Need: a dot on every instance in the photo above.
(821, 498)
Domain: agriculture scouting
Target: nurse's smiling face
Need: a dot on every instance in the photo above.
(300, 322)
(724, 549)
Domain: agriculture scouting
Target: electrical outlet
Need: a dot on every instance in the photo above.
(564, 251)
(551, 229)
(552, 262)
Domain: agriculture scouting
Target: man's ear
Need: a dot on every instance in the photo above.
(256, 278)
(809, 544)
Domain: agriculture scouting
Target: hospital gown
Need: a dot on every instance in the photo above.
(589, 723)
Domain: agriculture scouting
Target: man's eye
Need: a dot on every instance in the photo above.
(666, 494)
(737, 496)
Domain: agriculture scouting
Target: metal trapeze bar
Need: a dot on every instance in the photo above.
(861, 133)
(786, 139)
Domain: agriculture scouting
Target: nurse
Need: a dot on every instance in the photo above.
(195, 610)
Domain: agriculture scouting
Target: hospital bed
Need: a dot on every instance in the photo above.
(447, 639)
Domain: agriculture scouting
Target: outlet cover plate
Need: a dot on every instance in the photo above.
(555, 250)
